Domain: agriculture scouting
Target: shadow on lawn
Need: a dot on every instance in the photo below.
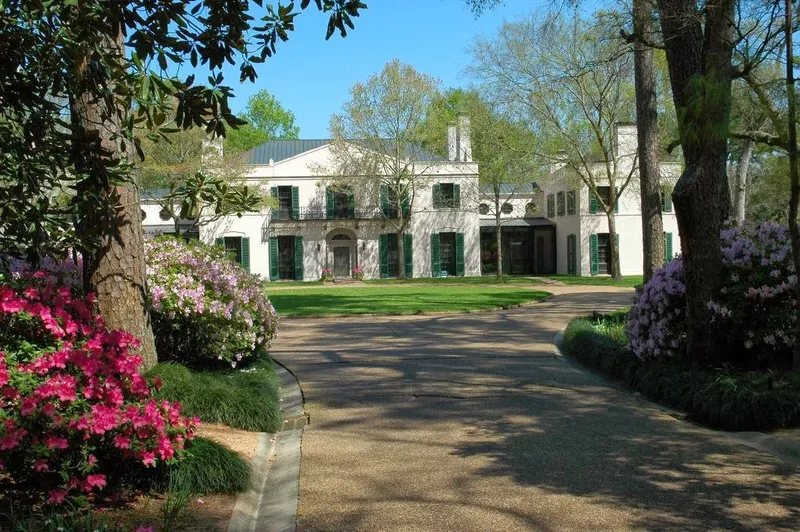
(538, 443)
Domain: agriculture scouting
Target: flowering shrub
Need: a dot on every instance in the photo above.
(756, 309)
(205, 308)
(327, 275)
(74, 405)
(358, 275)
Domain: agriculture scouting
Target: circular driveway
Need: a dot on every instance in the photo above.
(469, 422)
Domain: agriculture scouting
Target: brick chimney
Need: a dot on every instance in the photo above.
(625, 139)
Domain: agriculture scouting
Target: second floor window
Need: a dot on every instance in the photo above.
(571, 203)
(446, 196)
(340, 203)
(561, 203)
(551, 205)
(389, 200)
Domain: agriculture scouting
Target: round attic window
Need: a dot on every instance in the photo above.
(164, 215)
(144, 214)
(530, 209)
(484, 208)
(507, 208)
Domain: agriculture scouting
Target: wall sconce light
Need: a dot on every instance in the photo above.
(363, 245)
(318, 247)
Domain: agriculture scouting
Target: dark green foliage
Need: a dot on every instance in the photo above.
(244, 399)
(721, 398)
(210, 468)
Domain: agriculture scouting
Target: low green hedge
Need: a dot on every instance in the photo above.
(721, 398)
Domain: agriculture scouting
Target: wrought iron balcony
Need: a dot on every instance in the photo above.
(320, 213)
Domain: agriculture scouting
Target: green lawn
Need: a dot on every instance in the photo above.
(629, 280)
(408, 299)
(486, 279)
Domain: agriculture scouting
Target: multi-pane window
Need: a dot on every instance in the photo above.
(446, 196)
(393, 255)
(561, 203)
(284, 203)
(666, 200)
(233, 248)
(571, 203)
(447, 253)
(551, 206)
(286, 258)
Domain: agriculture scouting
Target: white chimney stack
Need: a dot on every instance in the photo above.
(452, 142)
(464, 140)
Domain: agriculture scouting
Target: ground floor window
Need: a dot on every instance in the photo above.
(447, 254)
(286, 258)
(526, 250)
(447, 250)
(237, 248)
(389, 255)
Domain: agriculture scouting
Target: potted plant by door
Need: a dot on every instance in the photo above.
(327, 276)
(358, 275)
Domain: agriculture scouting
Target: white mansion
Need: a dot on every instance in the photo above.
(316, 226)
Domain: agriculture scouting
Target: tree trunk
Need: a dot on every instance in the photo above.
(401, 255)
(616, 271)
(793, 172)
(647, 133)
(115, 271)
(700, 69)
(740, 183)
(498, 237)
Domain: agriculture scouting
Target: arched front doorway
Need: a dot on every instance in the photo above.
(342, 252)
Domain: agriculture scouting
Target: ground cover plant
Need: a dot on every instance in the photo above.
(206, 309)
(398, 299)
(247, 399)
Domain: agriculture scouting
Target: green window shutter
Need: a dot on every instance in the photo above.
(593, 203)
(295, 203)
(404, 203)
(456, 196)
(571, 254)
(437, 196)
(383, 252)
(351, 206)
(408, 255)
(298, 258)
(219, 242)
(328, 203)
(385, 200)
(275, 208)
(668, 255)
(436, 261)
(246, 253)
(616, 199)
(595, 261)
(273, 258)
(460, 254)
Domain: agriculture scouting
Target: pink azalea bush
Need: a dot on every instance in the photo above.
(205, 308)
(756, 309)
(76, 412)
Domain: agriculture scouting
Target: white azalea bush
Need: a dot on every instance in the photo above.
(756, 309)
(206, 309)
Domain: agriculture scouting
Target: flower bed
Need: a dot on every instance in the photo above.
(74, 405)
(206, 309)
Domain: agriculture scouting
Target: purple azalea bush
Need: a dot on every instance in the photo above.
(206, 309)
(756, 308)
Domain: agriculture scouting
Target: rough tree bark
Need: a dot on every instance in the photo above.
(699, 48)
(497, 233)
(794, 232)
(115, 272)
(647, 133)
(616, 272)
(740, 181)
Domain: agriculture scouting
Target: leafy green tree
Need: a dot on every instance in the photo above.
(376, 148)
(78, 80)
(266, 120)
(505, 151)
(572, 86)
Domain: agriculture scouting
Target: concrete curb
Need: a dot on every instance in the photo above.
(271, 502)
(427, 314)
(785, 448)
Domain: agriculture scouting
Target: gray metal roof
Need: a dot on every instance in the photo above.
(515, 222)
(279, 150)
(512, 188)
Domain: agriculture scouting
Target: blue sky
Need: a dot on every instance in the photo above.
(312, 77)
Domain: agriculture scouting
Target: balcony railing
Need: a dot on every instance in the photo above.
(315, 213)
